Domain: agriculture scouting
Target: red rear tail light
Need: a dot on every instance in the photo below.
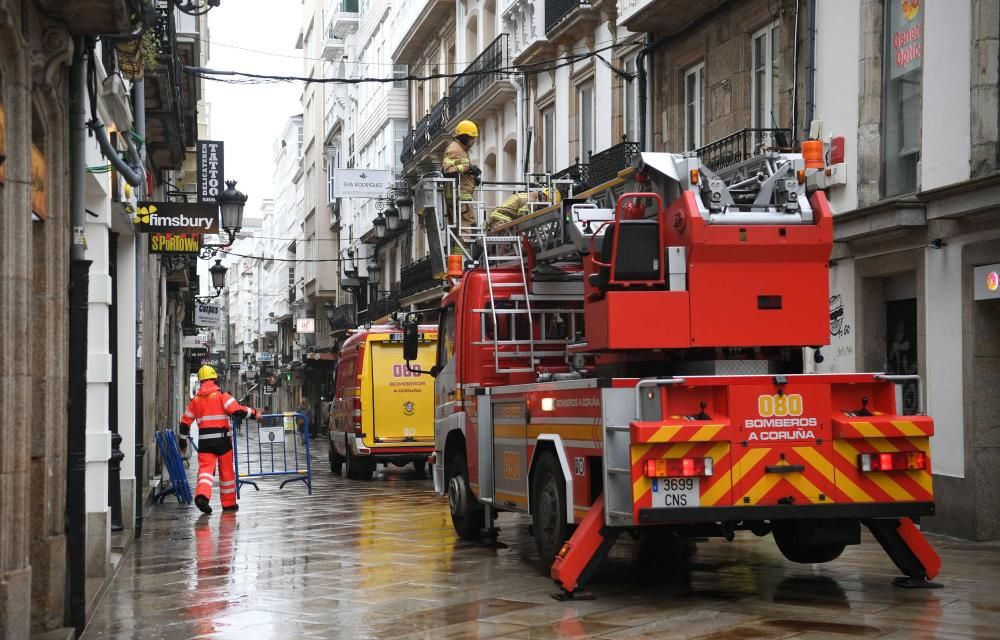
(679, 467)
(895, 461)
(357, 414)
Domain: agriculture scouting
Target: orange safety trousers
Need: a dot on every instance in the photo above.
(227, 476)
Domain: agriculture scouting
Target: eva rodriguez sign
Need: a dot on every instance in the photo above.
(361, 183)
(176, 217)
(210, 169)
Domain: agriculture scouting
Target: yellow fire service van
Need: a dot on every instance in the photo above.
(382, 411)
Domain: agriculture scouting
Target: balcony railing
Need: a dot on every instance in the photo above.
(416, 277)
(605, 165)
(344, 317)
(426, 130)
(578, 173)
(388, 301)
(486, 70)
(558, 10)
(743, 144)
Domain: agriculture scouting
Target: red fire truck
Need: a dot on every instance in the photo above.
(637, 364)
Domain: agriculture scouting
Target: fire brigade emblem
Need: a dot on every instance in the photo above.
(993, 281)
(408, 407)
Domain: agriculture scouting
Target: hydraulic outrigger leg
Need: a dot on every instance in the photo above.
(583, 552)
(909, 549)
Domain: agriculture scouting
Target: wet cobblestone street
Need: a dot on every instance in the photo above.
(380, 560)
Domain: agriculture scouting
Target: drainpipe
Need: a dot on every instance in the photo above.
(645, 137)
(139, 113)
(811, 64)
(133, 176)
(795, 78)
(79, 285)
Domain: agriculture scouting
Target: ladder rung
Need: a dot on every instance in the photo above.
(507, 285)
(619, 471)
(517, 370)
(617, 427)
(620, 514)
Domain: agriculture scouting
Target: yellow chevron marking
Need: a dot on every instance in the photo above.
(679, 450)
(718, 451)
(882, 445)
(817, 461)
(722, 484)
(763, 486)
(922, 443)
(706, 433)
(889, 485)
(867, 430)
(844, 448)
(805, 487)
(663, 434)
(907, 427)
(639, 450)
(748, 462)
(922, 478)
(853, 491)
(641, 485)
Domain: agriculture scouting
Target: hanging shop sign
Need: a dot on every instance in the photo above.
(193, 342)
(907, 22)
(39, 199)
(987, 282)
(211, 173)
(268, 389)
(361, 183)
(176, 217)
(175, 243)
(196, 354)
(305, 325)
(3, 145)
(207, 315)
(264, 356)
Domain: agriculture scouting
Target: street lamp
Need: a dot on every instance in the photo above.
(405, 206)
(392, 217)
(379, 224)
(218, 272)
(231, 204)
(374, 271)
(193, 8)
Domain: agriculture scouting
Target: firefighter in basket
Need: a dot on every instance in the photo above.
(212, 408)
(519, 205)
(456, 164)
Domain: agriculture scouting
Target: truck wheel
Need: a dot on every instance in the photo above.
(467, 515)
(358, 469)
(788, 537)
(336, 462)
(548, 500)
(419, 466)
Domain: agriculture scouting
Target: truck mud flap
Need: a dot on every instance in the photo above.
(583, 552)
(909, 550)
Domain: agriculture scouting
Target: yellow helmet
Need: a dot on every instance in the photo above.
(206, 373)
(547, 193)
(467, 128)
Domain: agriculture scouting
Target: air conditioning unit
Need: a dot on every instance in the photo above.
(116, 100)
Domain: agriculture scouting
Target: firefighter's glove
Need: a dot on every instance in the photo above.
(475, 170)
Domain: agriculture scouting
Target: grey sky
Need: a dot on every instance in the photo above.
(250, 117)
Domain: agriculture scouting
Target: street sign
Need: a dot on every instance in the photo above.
(305, 325)
(175, 243)
(176, 217)
(263, 356)
(207, 315)
(987, 282)
(211, 169)
(361, 183)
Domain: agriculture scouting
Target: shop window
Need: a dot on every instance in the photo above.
(902, 79)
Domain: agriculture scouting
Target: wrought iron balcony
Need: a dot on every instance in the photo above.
(387, 302)
(743, 144)
(425, 132)
(166, 135)
(558, 11)
(578, 173)
(344, 317)
(605, 165)
(416, 277)
(485, 71)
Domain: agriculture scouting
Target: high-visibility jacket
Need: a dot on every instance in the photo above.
(211, 407)
(510, 209)
(456, 161)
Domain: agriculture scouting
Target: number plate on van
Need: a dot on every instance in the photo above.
(676, 492)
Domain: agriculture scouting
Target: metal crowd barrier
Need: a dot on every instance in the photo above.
(166, 442)
(271, 447)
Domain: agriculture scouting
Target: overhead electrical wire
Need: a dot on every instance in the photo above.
(542, 66)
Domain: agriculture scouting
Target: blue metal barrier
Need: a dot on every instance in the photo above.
(270, 447)
(166, 441)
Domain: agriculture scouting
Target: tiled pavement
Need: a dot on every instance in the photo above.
(379, 560)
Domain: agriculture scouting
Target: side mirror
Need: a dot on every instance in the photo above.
(435, 371)
(410, 341)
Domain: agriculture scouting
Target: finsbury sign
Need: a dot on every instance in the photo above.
(177, 217)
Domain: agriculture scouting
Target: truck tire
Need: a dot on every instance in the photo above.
(789, 540)
(336, 462)
(419, 466)
(467, 514)
(548, 508)
(358, 468)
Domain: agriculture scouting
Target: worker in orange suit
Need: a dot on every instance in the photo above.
(212, 407)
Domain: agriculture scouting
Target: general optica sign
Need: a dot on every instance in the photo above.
(211, 169)
(906, 19)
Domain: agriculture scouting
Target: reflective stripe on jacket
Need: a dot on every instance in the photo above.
(456, 161)
(211, 407)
